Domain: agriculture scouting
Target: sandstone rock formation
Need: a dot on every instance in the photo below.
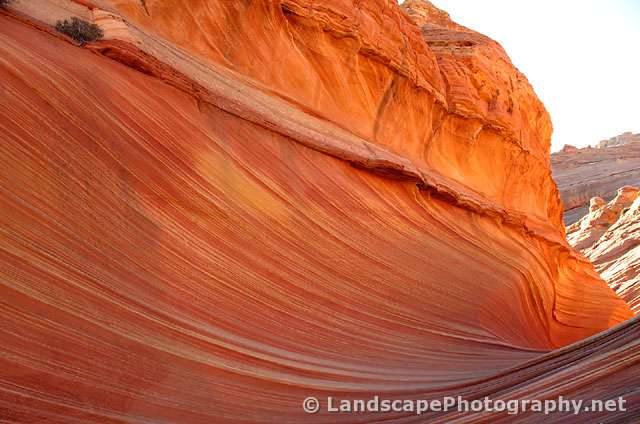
(589, 172)
(619, 140)
(226, 206)
(602, 215)
(567, 148)
(609, 235)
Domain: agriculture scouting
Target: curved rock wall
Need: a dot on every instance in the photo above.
(188, 233)
(366, 67)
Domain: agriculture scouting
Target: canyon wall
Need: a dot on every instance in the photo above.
(225, 207)
(365, 66)
(594, 172)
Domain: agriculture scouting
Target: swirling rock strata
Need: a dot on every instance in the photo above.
(185, 237)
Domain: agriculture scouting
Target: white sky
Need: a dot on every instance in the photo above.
(581, 56)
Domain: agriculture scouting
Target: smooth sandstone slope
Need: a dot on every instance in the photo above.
(186, 239)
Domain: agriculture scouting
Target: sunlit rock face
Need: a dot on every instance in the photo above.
(226, 206)
(593, 172)
(366, 67)
(601, 216)
(609, 235)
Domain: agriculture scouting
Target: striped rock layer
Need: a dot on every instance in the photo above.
(227, 206)
(609, 235)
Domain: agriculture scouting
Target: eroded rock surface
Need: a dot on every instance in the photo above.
(228, 206)
(593, 172)
(619, 140)
(601, 216)
(609, 235)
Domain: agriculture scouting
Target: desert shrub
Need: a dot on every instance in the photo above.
(80, 30)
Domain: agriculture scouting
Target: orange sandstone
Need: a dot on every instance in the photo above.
(228, 206)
